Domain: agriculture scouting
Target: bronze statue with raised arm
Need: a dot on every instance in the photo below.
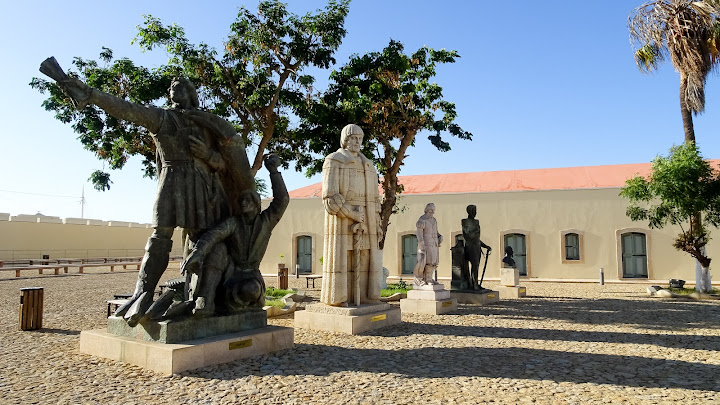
(191, 189)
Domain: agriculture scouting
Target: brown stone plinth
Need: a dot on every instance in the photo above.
(177, 357)
(475, 298)
(428, 307)
(512, 292)
(351, 320)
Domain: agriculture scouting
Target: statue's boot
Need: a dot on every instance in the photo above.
(161, 305)
(208, 282)
(137, 310)
(154, 263)
(179, 309)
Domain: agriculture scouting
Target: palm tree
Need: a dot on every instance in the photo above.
(688, 32)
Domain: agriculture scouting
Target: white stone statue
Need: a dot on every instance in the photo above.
(383, 279)
(429, 241)
(352, 268)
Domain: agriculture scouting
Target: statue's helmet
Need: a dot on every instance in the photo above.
(350, 129)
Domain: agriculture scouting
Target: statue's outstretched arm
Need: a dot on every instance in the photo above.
(81, 94)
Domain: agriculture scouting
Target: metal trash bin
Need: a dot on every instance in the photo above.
(31, 308)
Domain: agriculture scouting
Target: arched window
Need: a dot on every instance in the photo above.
(409, 253)
(519, 246)
(634, 255)
(572, 246)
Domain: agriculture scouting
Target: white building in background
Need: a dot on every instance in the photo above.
(564, 224)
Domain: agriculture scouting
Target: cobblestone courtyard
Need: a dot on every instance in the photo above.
(565, 343)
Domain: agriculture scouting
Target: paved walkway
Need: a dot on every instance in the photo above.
(566, 343)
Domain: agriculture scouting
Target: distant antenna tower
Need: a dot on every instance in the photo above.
(82, 203)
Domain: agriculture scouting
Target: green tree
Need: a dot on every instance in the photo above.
(392, 97)
(689, 33)
(680, 187)
(255, 81)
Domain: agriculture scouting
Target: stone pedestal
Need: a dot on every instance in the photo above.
(174, 358)
(509, 277)
(348, 320)
(189, 329)
(511, 292)
(476, 298)
(429, 300)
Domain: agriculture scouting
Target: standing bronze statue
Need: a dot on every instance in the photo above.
(473, 246)
(192, 179)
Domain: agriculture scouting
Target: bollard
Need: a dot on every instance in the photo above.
(31, 308)
(283, 278)
(602, 276)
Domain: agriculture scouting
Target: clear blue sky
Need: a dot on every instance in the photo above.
(552, 86)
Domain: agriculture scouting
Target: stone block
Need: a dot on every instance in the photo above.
(49, 220)
(4, 216)
(350, 320)
(428, 295)
(512, 292)
(188, 329)
(394, 297)
(24, 218)
(75, 221)
(175, 358)
(509, 277)
(97, 222)
(476, 298)
(119, 223)
(137, 225)
(428, 307)
(664, 294)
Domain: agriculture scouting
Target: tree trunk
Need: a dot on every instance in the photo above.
(388, 204)
(685, 112)
(702, 275)
(702, 278)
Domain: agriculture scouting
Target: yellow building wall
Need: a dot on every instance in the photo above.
(28, 240)
(598, 215)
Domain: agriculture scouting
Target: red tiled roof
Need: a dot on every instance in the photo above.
(565, 178)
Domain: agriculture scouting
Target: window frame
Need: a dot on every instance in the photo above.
(293, 250)
(648, 253)
(399, 241)
(526, 234)
(581, 247)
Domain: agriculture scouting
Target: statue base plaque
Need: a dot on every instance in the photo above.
(507, 292)
(178, 357)
(428, 300)
(479, 297)
(348, 320)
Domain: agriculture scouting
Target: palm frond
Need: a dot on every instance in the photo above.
(686, 31)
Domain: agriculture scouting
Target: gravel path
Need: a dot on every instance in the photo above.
(565, 343)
